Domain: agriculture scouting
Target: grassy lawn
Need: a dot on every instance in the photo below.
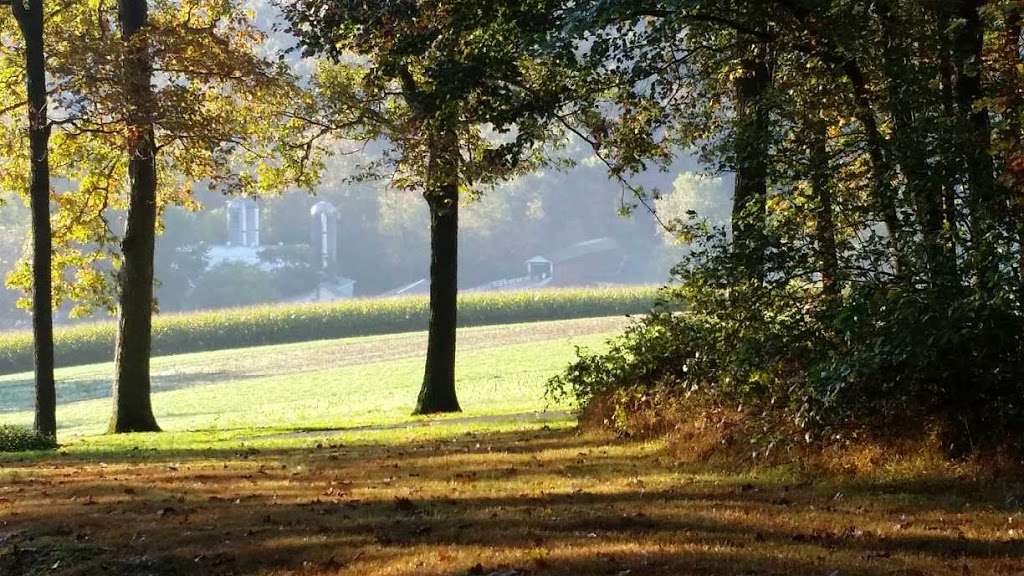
(346, 383)
(302, 460)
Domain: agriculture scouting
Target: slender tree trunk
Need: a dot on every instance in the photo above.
(30, 20)
(911, 149)
(950, 166)
(1013, 82)
(132, 409)
(825, 227)
(884, 193)
(753, 138)
(438, 391)
(987, 208)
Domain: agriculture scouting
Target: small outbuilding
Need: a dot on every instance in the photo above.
(539, 268)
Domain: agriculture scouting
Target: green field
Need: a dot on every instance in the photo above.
(344, 383)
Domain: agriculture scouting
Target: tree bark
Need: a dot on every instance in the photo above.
(987, 208)
(442, 194)
(30, 20)
(825, 227)
(752, 134)
(132, 409)
(911, 148)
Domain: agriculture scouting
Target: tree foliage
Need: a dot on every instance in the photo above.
(875, 274)
(223, 112)
(463, 95)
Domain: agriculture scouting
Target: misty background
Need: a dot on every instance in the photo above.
(382, 245)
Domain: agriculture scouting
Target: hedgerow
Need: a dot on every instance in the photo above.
(280, 324)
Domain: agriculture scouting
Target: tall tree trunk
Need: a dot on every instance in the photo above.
(132, 409)
(753, 137)
(987, 208)
(442, 194)
(825, 227)
(950, 164)
(911, 150)
(1013, 92)
(30, 20)
(883, 194)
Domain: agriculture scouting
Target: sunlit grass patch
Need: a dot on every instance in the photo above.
(341, 384)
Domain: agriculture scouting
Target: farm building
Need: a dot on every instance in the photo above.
(243, 246)
(590, 262)
(595, 261)
(243, 241)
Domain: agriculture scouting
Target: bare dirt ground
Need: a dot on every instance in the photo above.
(541, 502)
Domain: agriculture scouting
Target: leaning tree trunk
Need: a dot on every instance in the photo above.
(750, 190)
(132, 409)
(438, 391)
(884, 197)
(30, 21)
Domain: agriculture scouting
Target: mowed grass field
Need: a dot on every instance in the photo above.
(302, 460)
(332, 384)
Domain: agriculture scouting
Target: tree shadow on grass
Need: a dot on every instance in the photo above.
(18, 396)
(548, 502)
(333, 433)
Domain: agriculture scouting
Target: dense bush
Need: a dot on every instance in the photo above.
(190, 283)
(23, 439)
(881, 360)
(232, 284)
(241, 327)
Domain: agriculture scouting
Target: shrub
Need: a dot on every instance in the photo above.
(23, 439)
(233, 284)
(882, 360)
(279, 324)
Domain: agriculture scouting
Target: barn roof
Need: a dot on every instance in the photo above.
(585, 248)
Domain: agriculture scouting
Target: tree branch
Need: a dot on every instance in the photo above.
(708, 19)
(614, 172)
(15, 106)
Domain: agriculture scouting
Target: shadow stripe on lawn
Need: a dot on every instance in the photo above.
(523, 417)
